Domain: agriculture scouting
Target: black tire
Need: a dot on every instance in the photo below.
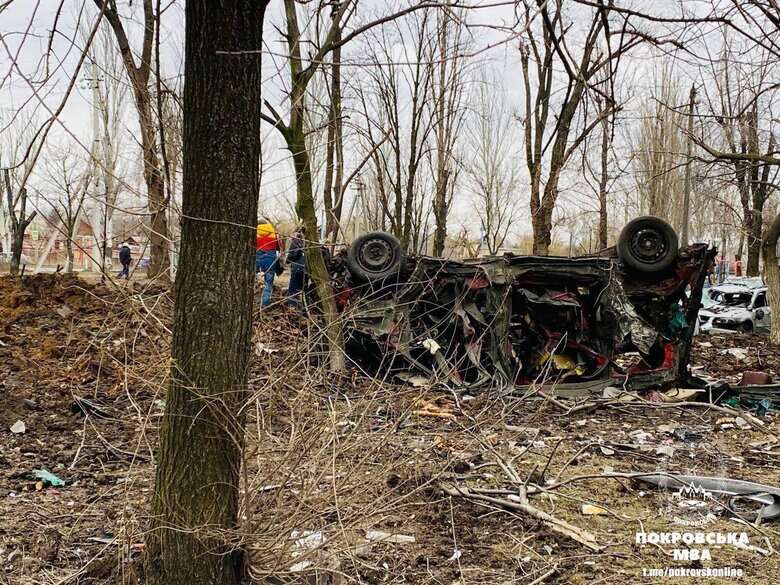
(647, 244)
(375, 256)
(746, 327)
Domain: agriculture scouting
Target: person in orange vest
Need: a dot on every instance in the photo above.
(266, 256)
(738, 265)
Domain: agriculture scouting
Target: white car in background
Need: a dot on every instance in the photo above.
(737, 305)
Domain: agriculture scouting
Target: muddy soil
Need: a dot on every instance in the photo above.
(344, 474)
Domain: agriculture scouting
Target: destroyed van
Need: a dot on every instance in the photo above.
(622, 317)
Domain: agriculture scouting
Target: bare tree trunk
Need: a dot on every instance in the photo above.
(138, 71)
(754, 246)
(18, 224)
(295, 137)
(688, 162)
(315, 263)
(334, 165)
(741, 245)
(17, 241)
(772, 276)
(449, 114)
(194, 511)
(603, 183)
(69, 252)
(338, 135)
(155, 188)
(440, 208)
(541, 221)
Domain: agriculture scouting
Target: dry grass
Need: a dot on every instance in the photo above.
(330, 458)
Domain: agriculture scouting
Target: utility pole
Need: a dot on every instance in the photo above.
(359, 186)
(687, 194)
(98, 224)
(96, 150)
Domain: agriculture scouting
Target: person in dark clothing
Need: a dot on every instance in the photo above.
(125, 258)
(297, 262)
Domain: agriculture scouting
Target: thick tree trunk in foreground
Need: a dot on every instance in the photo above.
(192, 538)
(772, 276)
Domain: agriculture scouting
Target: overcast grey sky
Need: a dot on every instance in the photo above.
(26, 27)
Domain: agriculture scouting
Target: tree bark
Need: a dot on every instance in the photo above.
(315, 263)
(336, 134)
(688, 162)
(155, 188)
(138, 73)
(194, 510)
(541, 222)
(772, 276)
(754, 229)
(449, 113)
(555, 145)
(17, 241)
(440, 208)
(603, 184)
(294, 134)
(69, 253)
(18, 224)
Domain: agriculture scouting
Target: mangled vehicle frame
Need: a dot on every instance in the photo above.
(622, 317)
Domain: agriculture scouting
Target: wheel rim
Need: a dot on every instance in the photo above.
(648, 246)
(376, 255)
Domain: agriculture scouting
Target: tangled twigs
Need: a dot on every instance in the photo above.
(521, 504)
(518, 501)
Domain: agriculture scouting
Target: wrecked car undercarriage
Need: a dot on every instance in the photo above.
(576, 325)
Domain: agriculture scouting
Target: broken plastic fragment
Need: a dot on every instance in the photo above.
(431, 346)
(48, 479)
(18, 427)
(307, 539)
(380, 535)
(261, 348)
(300, 566)
(415, 380)
(737, 352)
(639, 436)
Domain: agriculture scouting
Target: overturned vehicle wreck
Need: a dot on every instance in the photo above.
(623, 317)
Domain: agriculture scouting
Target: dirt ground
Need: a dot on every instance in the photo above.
(347, 477)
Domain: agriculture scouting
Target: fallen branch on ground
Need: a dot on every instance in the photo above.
(521, 504)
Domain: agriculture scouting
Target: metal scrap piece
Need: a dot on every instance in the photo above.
(763, 494)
